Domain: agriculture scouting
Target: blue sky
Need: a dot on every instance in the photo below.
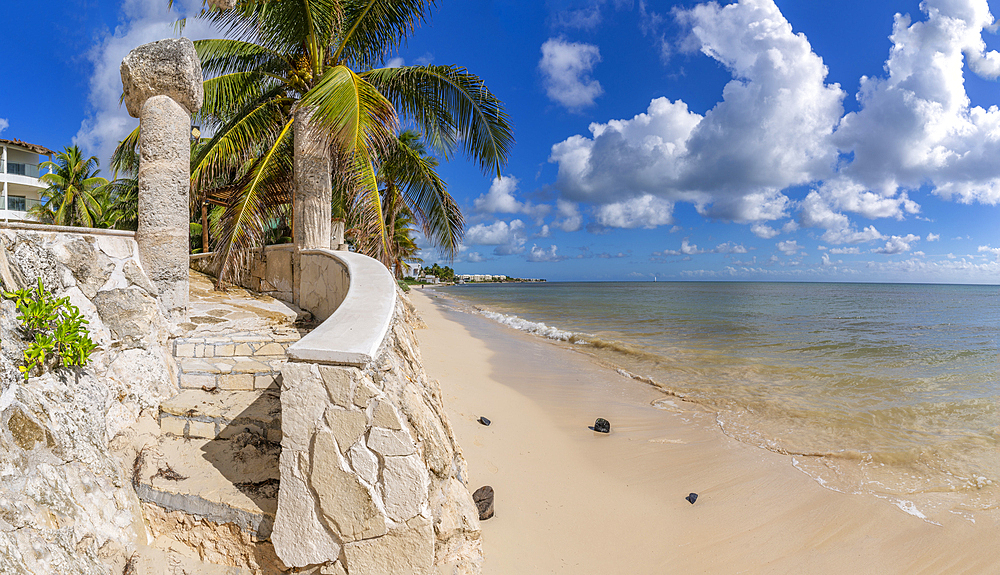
(758, 140)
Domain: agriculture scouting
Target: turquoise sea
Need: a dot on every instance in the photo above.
(890, 389)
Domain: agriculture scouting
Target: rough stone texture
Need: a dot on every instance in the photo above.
(68, 437)
(164, 185)
(323, 284)
(407, 551)
(345, 503)
(168, 67)
(313, 186)
(404, 473)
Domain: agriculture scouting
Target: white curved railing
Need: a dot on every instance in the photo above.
(354, 331)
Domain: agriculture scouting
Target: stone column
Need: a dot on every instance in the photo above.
(313, 186)
(163, 87)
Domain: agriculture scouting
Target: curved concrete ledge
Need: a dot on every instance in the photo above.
(354, 331)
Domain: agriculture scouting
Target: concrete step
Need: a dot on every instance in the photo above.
(233, 481)
(234, 373)
(199, 414)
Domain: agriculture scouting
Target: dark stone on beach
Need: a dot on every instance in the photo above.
(484, 502)
(691, 498)
(602, 425)
(484, 421)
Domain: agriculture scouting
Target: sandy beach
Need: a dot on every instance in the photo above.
(569, 500)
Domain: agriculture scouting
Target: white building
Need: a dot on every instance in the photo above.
(19, 177)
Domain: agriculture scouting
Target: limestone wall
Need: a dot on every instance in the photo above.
(372, 479)
(270, 271)
(324, 283)
(67, 438)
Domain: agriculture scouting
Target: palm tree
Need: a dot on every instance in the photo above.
(74, 193)
(299, 97)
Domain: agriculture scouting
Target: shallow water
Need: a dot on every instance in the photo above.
(886, 389)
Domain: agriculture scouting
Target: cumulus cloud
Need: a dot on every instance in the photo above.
(537, 254)
(4, 124)
(500, 200)
(569, 213)
(933, 237)
(897, 245)
(106, 122)
(508, 238)
(779, 125)
(987, 249)
(917, 124)
(771, 130)
(763, 231)
(789, 248)
(566, 68)
(646, 211)
(475, 257)
(845, 251)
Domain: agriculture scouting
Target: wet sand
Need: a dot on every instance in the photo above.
(569, 500)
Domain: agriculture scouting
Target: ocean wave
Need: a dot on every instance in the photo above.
(532, 327)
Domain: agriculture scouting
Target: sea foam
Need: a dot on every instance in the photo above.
(532, 327)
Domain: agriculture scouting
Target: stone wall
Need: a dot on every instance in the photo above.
(67, 438)
(323, 283)
(270, 271)
(372, 479)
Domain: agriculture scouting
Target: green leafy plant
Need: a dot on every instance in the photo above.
(59, 330)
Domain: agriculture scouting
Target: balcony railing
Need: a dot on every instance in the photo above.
(18, 169)
(17, 204)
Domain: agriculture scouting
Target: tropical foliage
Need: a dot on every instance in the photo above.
(74, 196)
(317, 63)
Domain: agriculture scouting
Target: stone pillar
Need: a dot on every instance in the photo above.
(313, 186)
(163, 87)
(338, 242)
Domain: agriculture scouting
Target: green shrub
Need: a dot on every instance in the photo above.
(58, 329)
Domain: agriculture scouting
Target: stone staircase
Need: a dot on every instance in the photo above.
(216, 457)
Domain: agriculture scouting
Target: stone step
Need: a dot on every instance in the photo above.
(248, 345)
(235, 373)
(199, 414)
(234, 481)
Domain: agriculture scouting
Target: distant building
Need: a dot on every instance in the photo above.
(19, 177)
(412, 270)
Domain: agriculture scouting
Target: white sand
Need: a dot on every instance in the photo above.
(571, 501)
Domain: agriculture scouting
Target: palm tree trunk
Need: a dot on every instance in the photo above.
(313, 187)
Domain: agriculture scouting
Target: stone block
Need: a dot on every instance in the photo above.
(204, 429)
(242, 349)
(364, 462)
(191, 381)
(338, 383)
(236, 382)
(173, 425)
(269, 348)
(364, 392)
(185, 350)
(408, 551)
(347, 426)
(405, 484)
(345, 504)
(389, 442)
(225, 350)
(170, 68)
(299, 538)
(385, 416)
(265, 381)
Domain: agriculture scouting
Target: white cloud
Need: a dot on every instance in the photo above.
(396, 62)
(917, 125)
(106, 123)
(500, 200)
(765, 232)
(789, 248)
(582, 18)
(537, 254)
(779, 125)
(845, 251)
(771, 130)
(897, 245)
(730, 248)
(475, 257)
(987, 249)
(508, 238)
(4, 124)
(566, 68)
(687, 249)
(571, 220)
(646, 211)
(933, 237)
